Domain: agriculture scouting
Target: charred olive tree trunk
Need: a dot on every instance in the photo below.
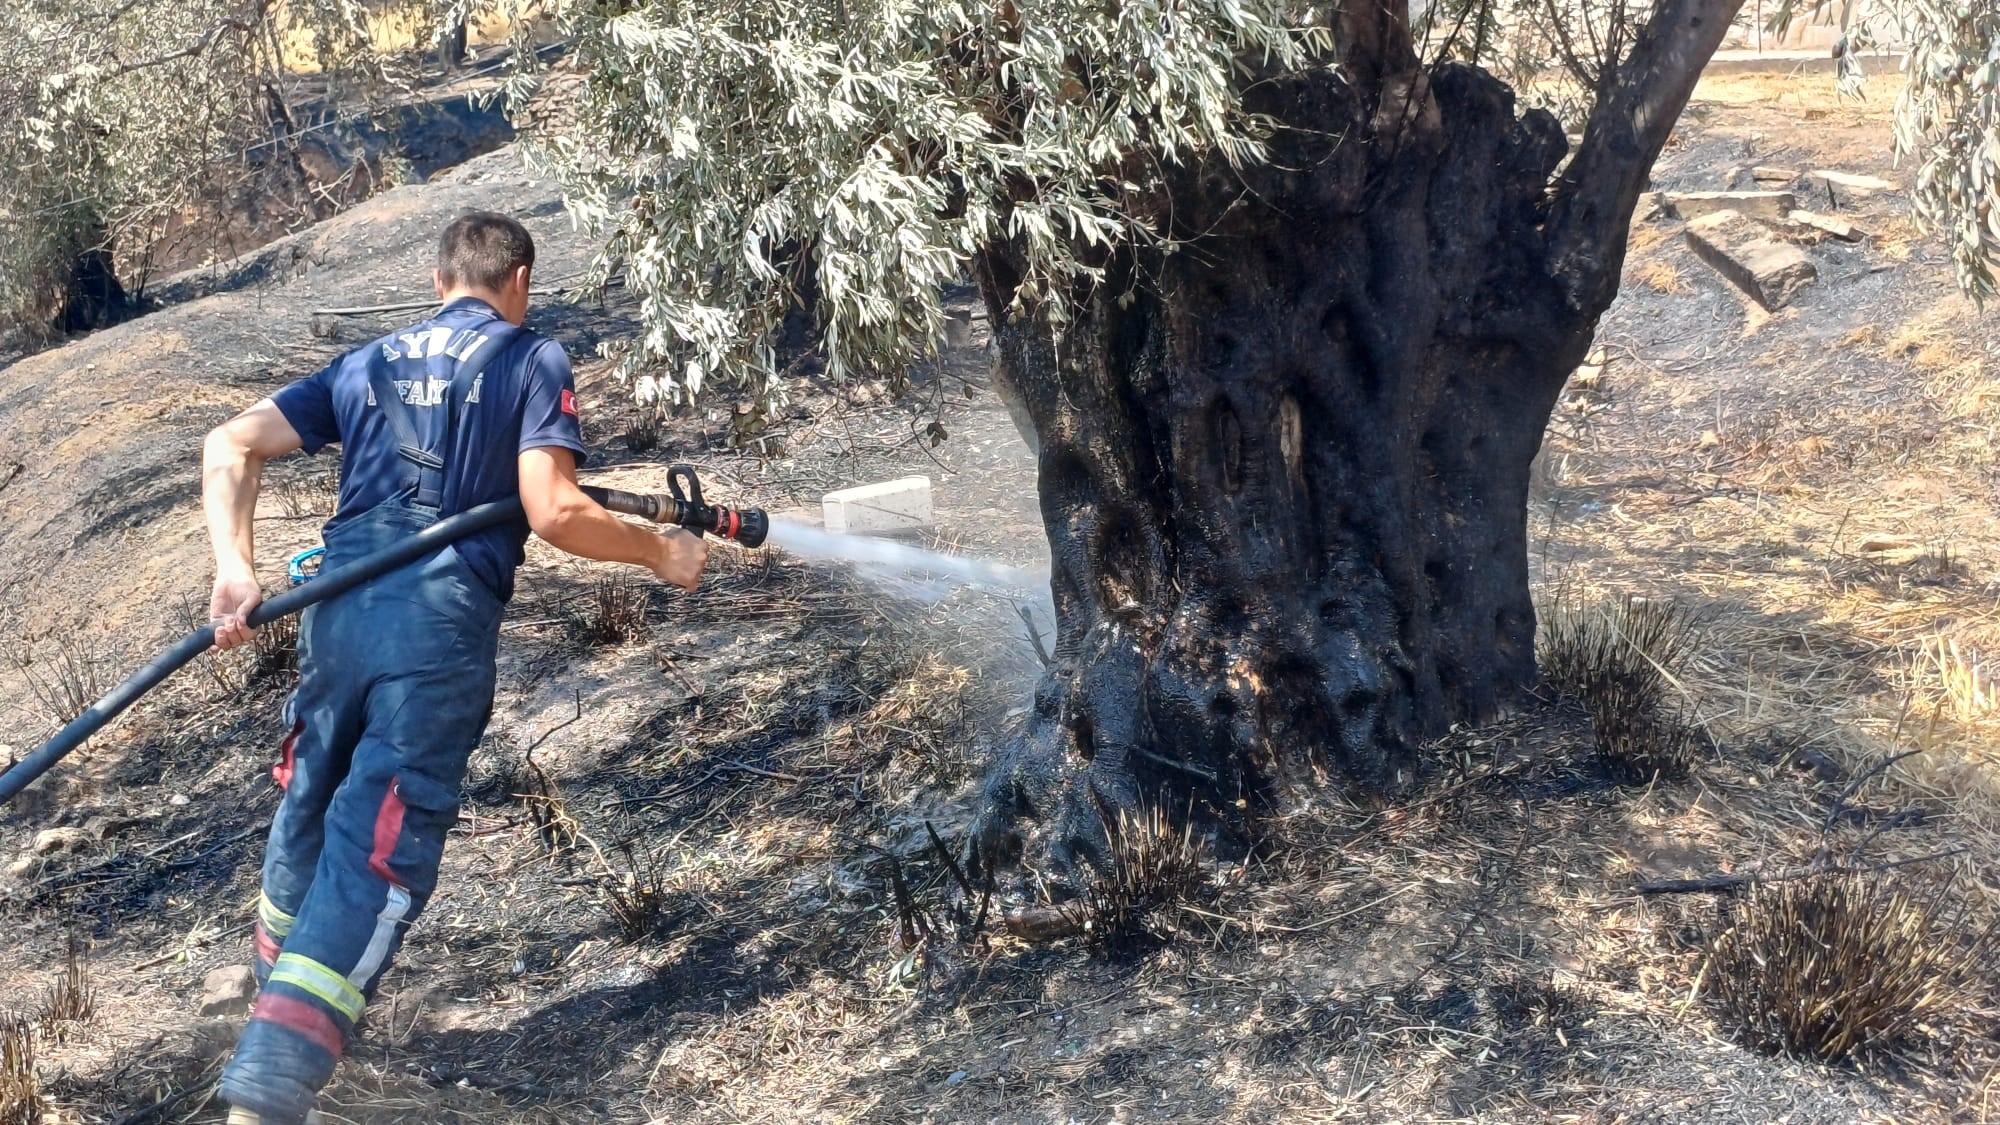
(93, 297)
(452, 46)
(1284, 468)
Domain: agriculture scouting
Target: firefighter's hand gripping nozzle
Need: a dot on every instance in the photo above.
(686, 508)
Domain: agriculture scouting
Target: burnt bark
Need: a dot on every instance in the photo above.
(1284, 468)
(452, 47)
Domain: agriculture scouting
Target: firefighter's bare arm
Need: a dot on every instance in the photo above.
(562, 515)
(232, 464)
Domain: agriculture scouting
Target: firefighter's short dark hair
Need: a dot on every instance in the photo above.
(482, 249)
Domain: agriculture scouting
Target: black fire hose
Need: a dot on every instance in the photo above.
(746, 526)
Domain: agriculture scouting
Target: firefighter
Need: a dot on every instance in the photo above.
(396, 676)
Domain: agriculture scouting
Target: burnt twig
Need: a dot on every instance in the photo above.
(1840, 803)
(1035, 636)
(1731, 883)
(950, 864)
(913, 924)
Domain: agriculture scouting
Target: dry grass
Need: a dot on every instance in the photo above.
(1478, 952)
(1662, 276)
(71, 1001)
(20, 1090)
(1867, 336)
(1926, 345)
(612, 610)
(1837, 540)
(1647, 235)
(1842, 963)
(1952, 681)
(65, 673)
(304, 488)
(920, 716)
(1812, 97)
(393, 28)
(1967, 394)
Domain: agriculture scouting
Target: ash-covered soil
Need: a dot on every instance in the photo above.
(674, 896)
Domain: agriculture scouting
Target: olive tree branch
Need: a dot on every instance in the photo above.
(200, 44)
(1635, 112)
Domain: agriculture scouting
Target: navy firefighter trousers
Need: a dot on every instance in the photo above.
(395, 688)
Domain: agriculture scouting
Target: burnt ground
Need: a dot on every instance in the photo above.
(1816, 482)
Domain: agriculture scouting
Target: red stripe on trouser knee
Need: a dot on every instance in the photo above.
(267, 948)
(388, 826)
(282, 772)
(298, 1015)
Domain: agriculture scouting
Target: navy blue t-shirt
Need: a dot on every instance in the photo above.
(524, 399)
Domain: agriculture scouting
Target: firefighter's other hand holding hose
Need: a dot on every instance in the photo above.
(229, 607)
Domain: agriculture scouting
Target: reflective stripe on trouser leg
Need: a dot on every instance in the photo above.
(317, 987)
(274, 921)
(267, 935)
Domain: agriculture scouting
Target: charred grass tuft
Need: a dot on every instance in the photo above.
(1622, 660)
(1155, 867)
(643, 428)
(71, 1001)
(274, 649)
(634, 893)
(271, 656)
(66, 1007)
(20, 1092)
(308, 490)
(66, 672)
(613, 611)
(1638, 735)
(1844, 962)
(1582, 643)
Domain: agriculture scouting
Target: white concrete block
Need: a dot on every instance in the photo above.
(891, 505)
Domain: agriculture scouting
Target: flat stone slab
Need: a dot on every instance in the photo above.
(891, 505)
(1770, 174)
(1771, 205)
(1827, 224)
(1860, 187)
(1746, 253)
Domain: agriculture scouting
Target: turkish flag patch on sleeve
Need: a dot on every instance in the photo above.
(569, 402)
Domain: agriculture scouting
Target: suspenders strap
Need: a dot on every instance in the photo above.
(425, 475)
